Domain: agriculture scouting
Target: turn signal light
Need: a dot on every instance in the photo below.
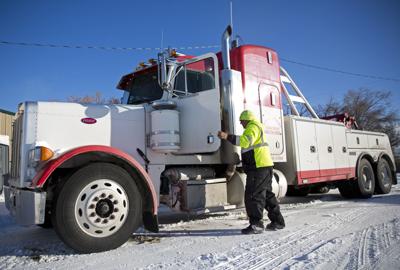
(45, 153)
(39, 154)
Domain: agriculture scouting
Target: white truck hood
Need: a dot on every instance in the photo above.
(62, 126)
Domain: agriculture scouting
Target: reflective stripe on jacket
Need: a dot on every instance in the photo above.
(255, 150)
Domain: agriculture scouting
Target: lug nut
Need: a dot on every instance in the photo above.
(96, 199)
(116, 210)
(105, 221)
(103, 195)
(92, 215)
(110, 196)
(91, 206)
(112, 217)
(115, 202)
(97, 220)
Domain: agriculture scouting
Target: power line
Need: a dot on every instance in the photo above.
(340, 71)
(3, 42)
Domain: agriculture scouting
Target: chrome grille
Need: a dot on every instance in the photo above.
(16, 145)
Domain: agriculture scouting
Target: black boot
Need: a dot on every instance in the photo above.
(273, 226)
(253, 229)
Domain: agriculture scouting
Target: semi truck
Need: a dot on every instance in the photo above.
(96, 173)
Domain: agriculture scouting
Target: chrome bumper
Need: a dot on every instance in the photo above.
(26, 206)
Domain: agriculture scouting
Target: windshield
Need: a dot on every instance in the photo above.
(145, 88)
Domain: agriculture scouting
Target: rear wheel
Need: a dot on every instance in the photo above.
(97, 209)
(383, 177)
(365, 184)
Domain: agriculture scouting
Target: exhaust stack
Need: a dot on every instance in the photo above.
(226, 47)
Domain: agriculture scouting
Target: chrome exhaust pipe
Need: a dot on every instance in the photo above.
(226, 47)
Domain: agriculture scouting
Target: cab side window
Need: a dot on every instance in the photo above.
(196, 77)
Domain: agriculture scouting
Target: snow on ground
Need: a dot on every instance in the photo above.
(323, 232)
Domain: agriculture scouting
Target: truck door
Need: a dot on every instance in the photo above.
(271, 116)
(196, 92)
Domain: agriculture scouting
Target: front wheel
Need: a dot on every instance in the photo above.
(97, 209)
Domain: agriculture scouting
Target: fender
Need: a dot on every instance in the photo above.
(361, 156)
(383, 155)
(43, 175)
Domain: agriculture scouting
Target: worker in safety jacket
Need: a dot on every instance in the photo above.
(258, 166)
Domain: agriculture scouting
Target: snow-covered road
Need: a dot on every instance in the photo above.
(323, 232)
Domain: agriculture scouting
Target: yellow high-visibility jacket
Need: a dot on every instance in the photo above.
(255, 149)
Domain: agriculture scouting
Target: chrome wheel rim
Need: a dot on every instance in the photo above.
(385, 176)
(367, 178)
(101, 208)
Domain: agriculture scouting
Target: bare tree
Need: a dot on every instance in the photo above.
(332, 107)
(96, 99)
(372, 110)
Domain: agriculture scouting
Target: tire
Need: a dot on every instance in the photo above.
(383, 177)
(297, 191)
(97, 209)
(365, 184)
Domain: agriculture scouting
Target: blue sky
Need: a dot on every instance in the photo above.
(360, 36)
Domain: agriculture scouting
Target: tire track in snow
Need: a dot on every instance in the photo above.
(377, 242)
(389, 240)
(282, 248)
(255, 261)
(365, 249)
(238, 259)
(241, 259)
(386, 235)
(362, 248)
(328, 226)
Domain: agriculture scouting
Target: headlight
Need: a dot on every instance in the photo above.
(39, 154)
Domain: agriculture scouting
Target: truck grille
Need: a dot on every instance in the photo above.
(16, 145)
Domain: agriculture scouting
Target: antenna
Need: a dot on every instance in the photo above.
(231, 13)
(162, 40)
(234, 39)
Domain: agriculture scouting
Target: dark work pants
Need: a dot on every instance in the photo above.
(259, 195)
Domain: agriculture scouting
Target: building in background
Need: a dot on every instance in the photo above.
(6, 119)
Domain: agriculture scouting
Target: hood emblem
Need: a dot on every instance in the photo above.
(88, 120)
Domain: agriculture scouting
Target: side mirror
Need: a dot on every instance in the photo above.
(162, 71)
(166, 71)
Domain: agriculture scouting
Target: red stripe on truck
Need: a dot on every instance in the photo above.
(316, 176)
(42, 176)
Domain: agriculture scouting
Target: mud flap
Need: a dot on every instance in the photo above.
(150, 222)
